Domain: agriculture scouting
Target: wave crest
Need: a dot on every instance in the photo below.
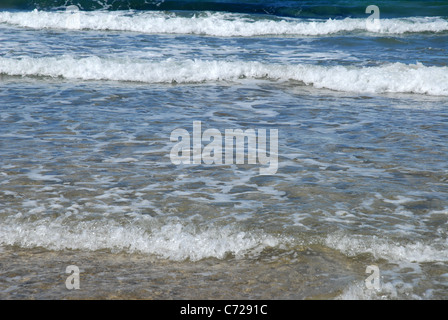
(215, 24)
(171, 240)
(390, 78)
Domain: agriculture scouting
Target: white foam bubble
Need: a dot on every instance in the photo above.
(120, 160)
(391, 290)
(389, 78)
(171, 240)
(400, 200)
(213, 24)
(383, 248)
(36, 174)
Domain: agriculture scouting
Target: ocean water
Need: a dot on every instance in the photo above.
(91, 92)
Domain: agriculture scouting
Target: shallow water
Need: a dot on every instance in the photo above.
(87, 179)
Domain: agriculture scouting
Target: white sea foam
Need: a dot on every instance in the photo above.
(381, 248)
(389, 78)
(172, 240)
(390, 290)
(395, 283)
(213, 24)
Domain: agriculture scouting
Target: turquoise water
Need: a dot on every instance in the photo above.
(89, 98)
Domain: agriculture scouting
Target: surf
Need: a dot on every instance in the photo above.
(388, 78)
(215, 23)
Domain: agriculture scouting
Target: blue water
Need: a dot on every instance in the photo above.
(286, 8)
(91, 91)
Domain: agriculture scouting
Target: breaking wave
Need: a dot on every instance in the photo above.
(215, 24)
(389, 78)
